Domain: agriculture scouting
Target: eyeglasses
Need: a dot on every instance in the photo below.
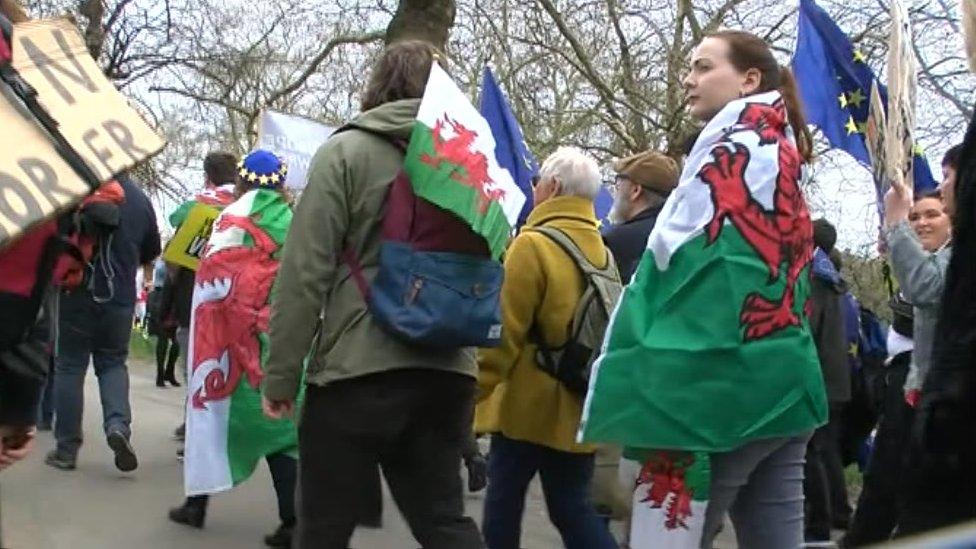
(615, 183)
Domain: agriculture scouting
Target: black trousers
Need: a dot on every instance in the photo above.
(284, 475)
(883, 493)
(167, 352)
(413, 424)
(824, 487)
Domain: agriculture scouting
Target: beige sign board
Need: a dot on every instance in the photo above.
(93, 116)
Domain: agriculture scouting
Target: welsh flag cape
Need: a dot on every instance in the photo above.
(226, 432)
(451, 163)
(710, 346)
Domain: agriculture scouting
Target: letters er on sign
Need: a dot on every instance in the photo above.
(108, 134)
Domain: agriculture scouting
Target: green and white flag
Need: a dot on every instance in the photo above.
(710, 346)
(451, 163)
(226, 431)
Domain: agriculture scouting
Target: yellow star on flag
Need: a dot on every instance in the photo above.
(263, 180)
(843, 100)
(918, 150)
(851, 126)
(852, 350)
(274, 178)
(859, 57)
(252, 177)
(856, 98)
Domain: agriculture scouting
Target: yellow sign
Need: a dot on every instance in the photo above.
(95, 119)
(187, 246)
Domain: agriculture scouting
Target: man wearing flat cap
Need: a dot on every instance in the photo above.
(643, 182)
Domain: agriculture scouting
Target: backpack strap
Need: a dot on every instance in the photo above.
(586, 268)
(574, 252)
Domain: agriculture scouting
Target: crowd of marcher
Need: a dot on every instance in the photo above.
(275, 322)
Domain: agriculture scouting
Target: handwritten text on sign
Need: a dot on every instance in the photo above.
(95, 119)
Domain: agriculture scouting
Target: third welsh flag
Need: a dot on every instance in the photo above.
(710, 346)
(451, 163)
(226, 431)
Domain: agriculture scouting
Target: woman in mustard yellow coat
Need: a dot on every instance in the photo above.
(531, 416)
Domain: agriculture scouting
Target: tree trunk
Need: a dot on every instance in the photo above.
(427, 20)
(94, 11)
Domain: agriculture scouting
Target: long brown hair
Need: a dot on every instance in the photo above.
(400, 73)
(748, 51)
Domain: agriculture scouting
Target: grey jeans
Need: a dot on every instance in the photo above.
(760, 486)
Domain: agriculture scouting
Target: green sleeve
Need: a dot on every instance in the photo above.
(308, 269)
(179, 216)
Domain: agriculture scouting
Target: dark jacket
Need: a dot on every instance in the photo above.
(944, 433)
(628, 240)
(24, 370)
(827, 323)
(177, 299)
(134, 244)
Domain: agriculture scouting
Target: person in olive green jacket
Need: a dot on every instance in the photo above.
(371, 399)
(533, 418)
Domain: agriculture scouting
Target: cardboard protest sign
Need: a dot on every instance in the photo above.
(293, 138)
(186, 247)
(34, 181)
(93, 116)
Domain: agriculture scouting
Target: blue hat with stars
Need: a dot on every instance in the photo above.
(263, 168)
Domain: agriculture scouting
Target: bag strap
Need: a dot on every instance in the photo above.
(356, 269)
(349, 257)
(400, 144)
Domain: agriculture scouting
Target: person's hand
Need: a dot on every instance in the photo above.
(477, 467)
(277, 409)
(15, 444)
(898, 203)
(912, 397)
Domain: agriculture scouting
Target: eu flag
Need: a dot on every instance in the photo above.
(835, 86)
(510, 148)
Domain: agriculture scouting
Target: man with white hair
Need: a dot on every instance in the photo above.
(531, 415)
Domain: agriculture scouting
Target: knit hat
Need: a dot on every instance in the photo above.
(263, 168)
(824, 235)
(649, 169)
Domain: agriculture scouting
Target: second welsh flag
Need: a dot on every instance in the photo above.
(451, 163)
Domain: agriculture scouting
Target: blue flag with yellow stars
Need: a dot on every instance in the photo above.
(835, 85)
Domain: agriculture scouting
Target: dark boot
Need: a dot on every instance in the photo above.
(171, 378)
(280, 538)
(174, 355)
(160, 376)
(192, 513)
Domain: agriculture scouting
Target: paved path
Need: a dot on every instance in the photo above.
(98, 507)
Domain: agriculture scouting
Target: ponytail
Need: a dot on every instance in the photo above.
(794, 110)
(748, 51)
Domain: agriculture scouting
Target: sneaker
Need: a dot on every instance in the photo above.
(61, 461)
(125, 456)
(189, 515)
(280, 538)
